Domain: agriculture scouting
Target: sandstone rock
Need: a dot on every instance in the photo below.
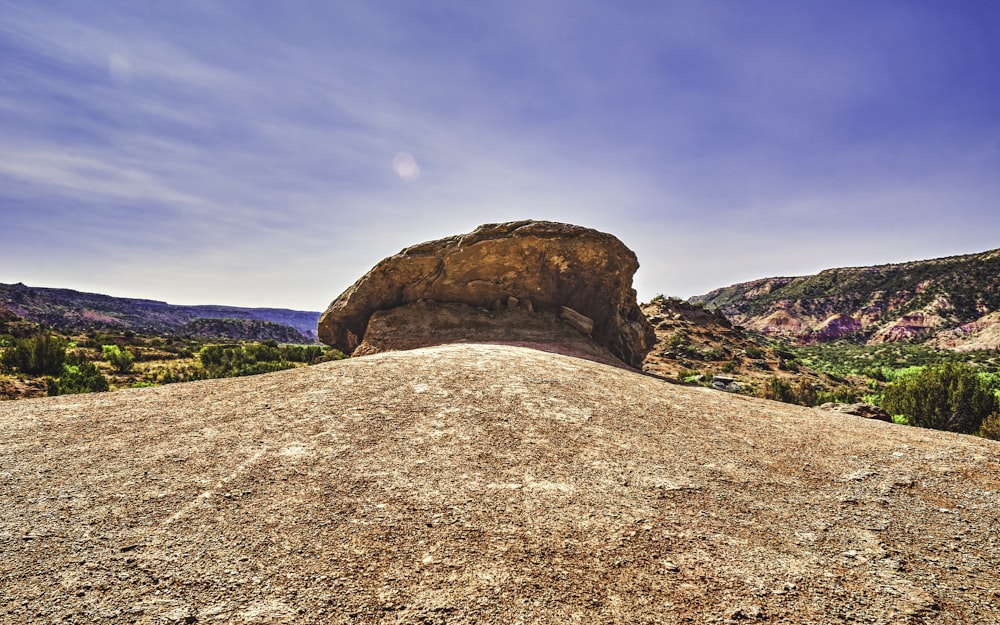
(6, 315)
(584, 324)
(423, 324)
(860, 410)
(484, 484)
(526, 265)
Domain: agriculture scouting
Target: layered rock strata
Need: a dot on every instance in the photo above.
(501, 274)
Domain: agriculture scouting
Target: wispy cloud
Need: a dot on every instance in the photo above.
(251, 154)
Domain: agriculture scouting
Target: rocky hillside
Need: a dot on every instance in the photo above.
(485, 484)
(693, 342)
(690, 337)
(949, 302)
(242, 330)
(72, 311)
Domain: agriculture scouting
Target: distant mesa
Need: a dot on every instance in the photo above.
(951, 302)
(69, 311)
(242, 330)
(537, 283)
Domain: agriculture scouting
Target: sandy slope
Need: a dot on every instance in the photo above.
(473, 483)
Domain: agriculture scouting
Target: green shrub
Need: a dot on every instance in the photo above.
(174, 373)
(802, 393)
(226, 361)
(120, 359)
(840, 396)
(777, 390)
(789, 365)
(302, 353)
(40, 355)
(79, 378)
(948, 397)
(754, 352)
(677, 339)
(990, 427)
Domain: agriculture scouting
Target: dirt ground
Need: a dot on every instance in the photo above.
(485, 484)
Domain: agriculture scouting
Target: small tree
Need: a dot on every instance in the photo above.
(991, 427)
(120, 359)
(803, 393)
(41, 355)
(80, 378)
(778, 390)
(946, 397)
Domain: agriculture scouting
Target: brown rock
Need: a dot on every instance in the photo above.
(584, 324)
(424, 324)
(859, 410)
(552, 264)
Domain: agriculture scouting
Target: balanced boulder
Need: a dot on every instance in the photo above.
(522, 275)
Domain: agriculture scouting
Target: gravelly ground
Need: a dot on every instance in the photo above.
(485, 484)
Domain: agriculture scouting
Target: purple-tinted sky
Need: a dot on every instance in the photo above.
(269, 153)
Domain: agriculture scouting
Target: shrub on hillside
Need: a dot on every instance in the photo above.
(803, 393)
(948, 397)
(83, 377)
(40, 355)
(776, 389)
(226, 361)
(303, 353)
(120, 359)
(990, 427)
(839, 396)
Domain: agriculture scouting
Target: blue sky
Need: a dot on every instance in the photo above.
(269, 153)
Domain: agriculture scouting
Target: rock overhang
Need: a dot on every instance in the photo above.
(540, 266)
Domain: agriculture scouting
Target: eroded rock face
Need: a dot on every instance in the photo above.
(425, 324)
(537, 267)
(981, 334)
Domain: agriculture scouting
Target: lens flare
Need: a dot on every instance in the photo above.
(406, 166)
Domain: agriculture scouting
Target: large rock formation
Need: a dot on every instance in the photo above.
(512, 278)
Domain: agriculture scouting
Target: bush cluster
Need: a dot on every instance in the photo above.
(83, 377)
(43, 354)
(120, 359)
(803, 393)
(951, 396)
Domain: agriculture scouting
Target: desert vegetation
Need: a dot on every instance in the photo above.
(952, 396)
(916, 384)
(54, 364)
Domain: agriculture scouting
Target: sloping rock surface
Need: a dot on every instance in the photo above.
(542, 265)
(485, 484)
